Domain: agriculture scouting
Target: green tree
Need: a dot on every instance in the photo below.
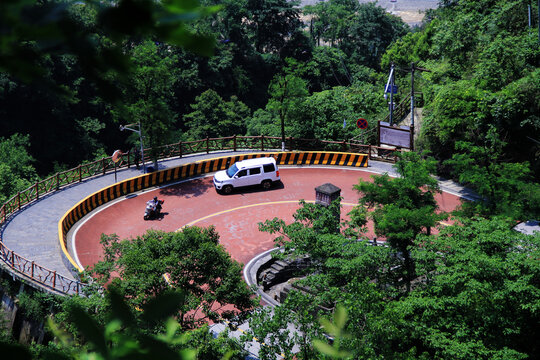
(327, 67)
(286, 94)
(193, 261)
(456, 111)
(403, 207)
(149, 95)
(14, 154)
(229, 24)
(61, 60)
(214, 117)
(474, 281)
(477, 282)
(514, 113)
(413, 47)
(505, 59)
(286, 328)
(119, 332)
(17, 171)
(371, 32)
(271, 23)
(263, 122)
(342, 269)
(505, 188)
(321, 115)
(30, 37)
(361, 31)
(331, 20)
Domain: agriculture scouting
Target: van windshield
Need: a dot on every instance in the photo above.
(232, 170)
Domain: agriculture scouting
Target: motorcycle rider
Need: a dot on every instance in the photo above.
(155, 203)
(153, 208)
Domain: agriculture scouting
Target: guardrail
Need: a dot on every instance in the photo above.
(404, 107)
(51, 280)
(29, 270)
(125, 187)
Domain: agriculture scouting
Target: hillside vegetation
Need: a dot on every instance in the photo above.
(72, 72)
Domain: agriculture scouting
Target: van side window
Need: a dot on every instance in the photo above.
(269, 168)
(242, 173)
(255, 171)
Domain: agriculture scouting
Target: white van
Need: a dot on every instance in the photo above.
(259, 171)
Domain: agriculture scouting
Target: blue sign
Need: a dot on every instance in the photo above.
(387, 89)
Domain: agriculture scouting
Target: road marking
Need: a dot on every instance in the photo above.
(191, 223)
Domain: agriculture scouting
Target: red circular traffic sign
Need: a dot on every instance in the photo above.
(362, 123)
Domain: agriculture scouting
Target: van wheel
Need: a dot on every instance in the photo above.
(227, 189)
(266, 184)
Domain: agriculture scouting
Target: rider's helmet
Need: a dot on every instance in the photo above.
(155, 198)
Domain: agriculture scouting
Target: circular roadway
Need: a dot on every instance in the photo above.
(235, 216)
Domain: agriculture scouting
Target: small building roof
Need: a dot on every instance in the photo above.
(328, 189)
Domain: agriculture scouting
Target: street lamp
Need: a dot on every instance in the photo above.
(127, 127)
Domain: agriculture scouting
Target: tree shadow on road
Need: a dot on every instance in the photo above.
(188, 189)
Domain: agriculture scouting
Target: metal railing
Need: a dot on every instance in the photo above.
(404, 108)
(49, 279)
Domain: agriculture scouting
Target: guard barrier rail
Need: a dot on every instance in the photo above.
(49, 279)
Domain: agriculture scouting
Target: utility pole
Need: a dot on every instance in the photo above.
(390, 88)
(412, 94)
(139, 132)
(529, 15)
(392, 94)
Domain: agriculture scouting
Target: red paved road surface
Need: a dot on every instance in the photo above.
(235, 216)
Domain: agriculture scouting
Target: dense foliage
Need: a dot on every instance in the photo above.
(72, 71)
(311, 70)
(484, 60)
(473, 287)
(118, 69)
(191, 260)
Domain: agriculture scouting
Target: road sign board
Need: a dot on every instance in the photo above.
(362, 123)
(387, 89)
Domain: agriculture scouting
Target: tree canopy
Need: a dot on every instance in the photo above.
(471, 282)
(71, 71)
(191, 260)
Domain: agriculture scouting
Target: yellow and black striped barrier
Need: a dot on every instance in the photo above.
(186, 171)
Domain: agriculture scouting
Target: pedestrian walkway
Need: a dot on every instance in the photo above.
(33, 231)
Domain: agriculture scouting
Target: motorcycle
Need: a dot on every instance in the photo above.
(153, 209)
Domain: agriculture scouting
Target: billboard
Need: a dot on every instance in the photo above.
(399, 136)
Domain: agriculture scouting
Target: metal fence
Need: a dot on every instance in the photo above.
(49, 279)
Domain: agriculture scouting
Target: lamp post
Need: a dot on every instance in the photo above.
(127, 127)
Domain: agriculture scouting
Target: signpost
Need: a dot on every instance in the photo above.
(396, 136)
(389, 87)
(362, 123)
(392, 89)
(116, 156)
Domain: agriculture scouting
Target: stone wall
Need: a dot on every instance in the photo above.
(22, 328)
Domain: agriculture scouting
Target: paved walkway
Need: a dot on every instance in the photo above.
(33, 232)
